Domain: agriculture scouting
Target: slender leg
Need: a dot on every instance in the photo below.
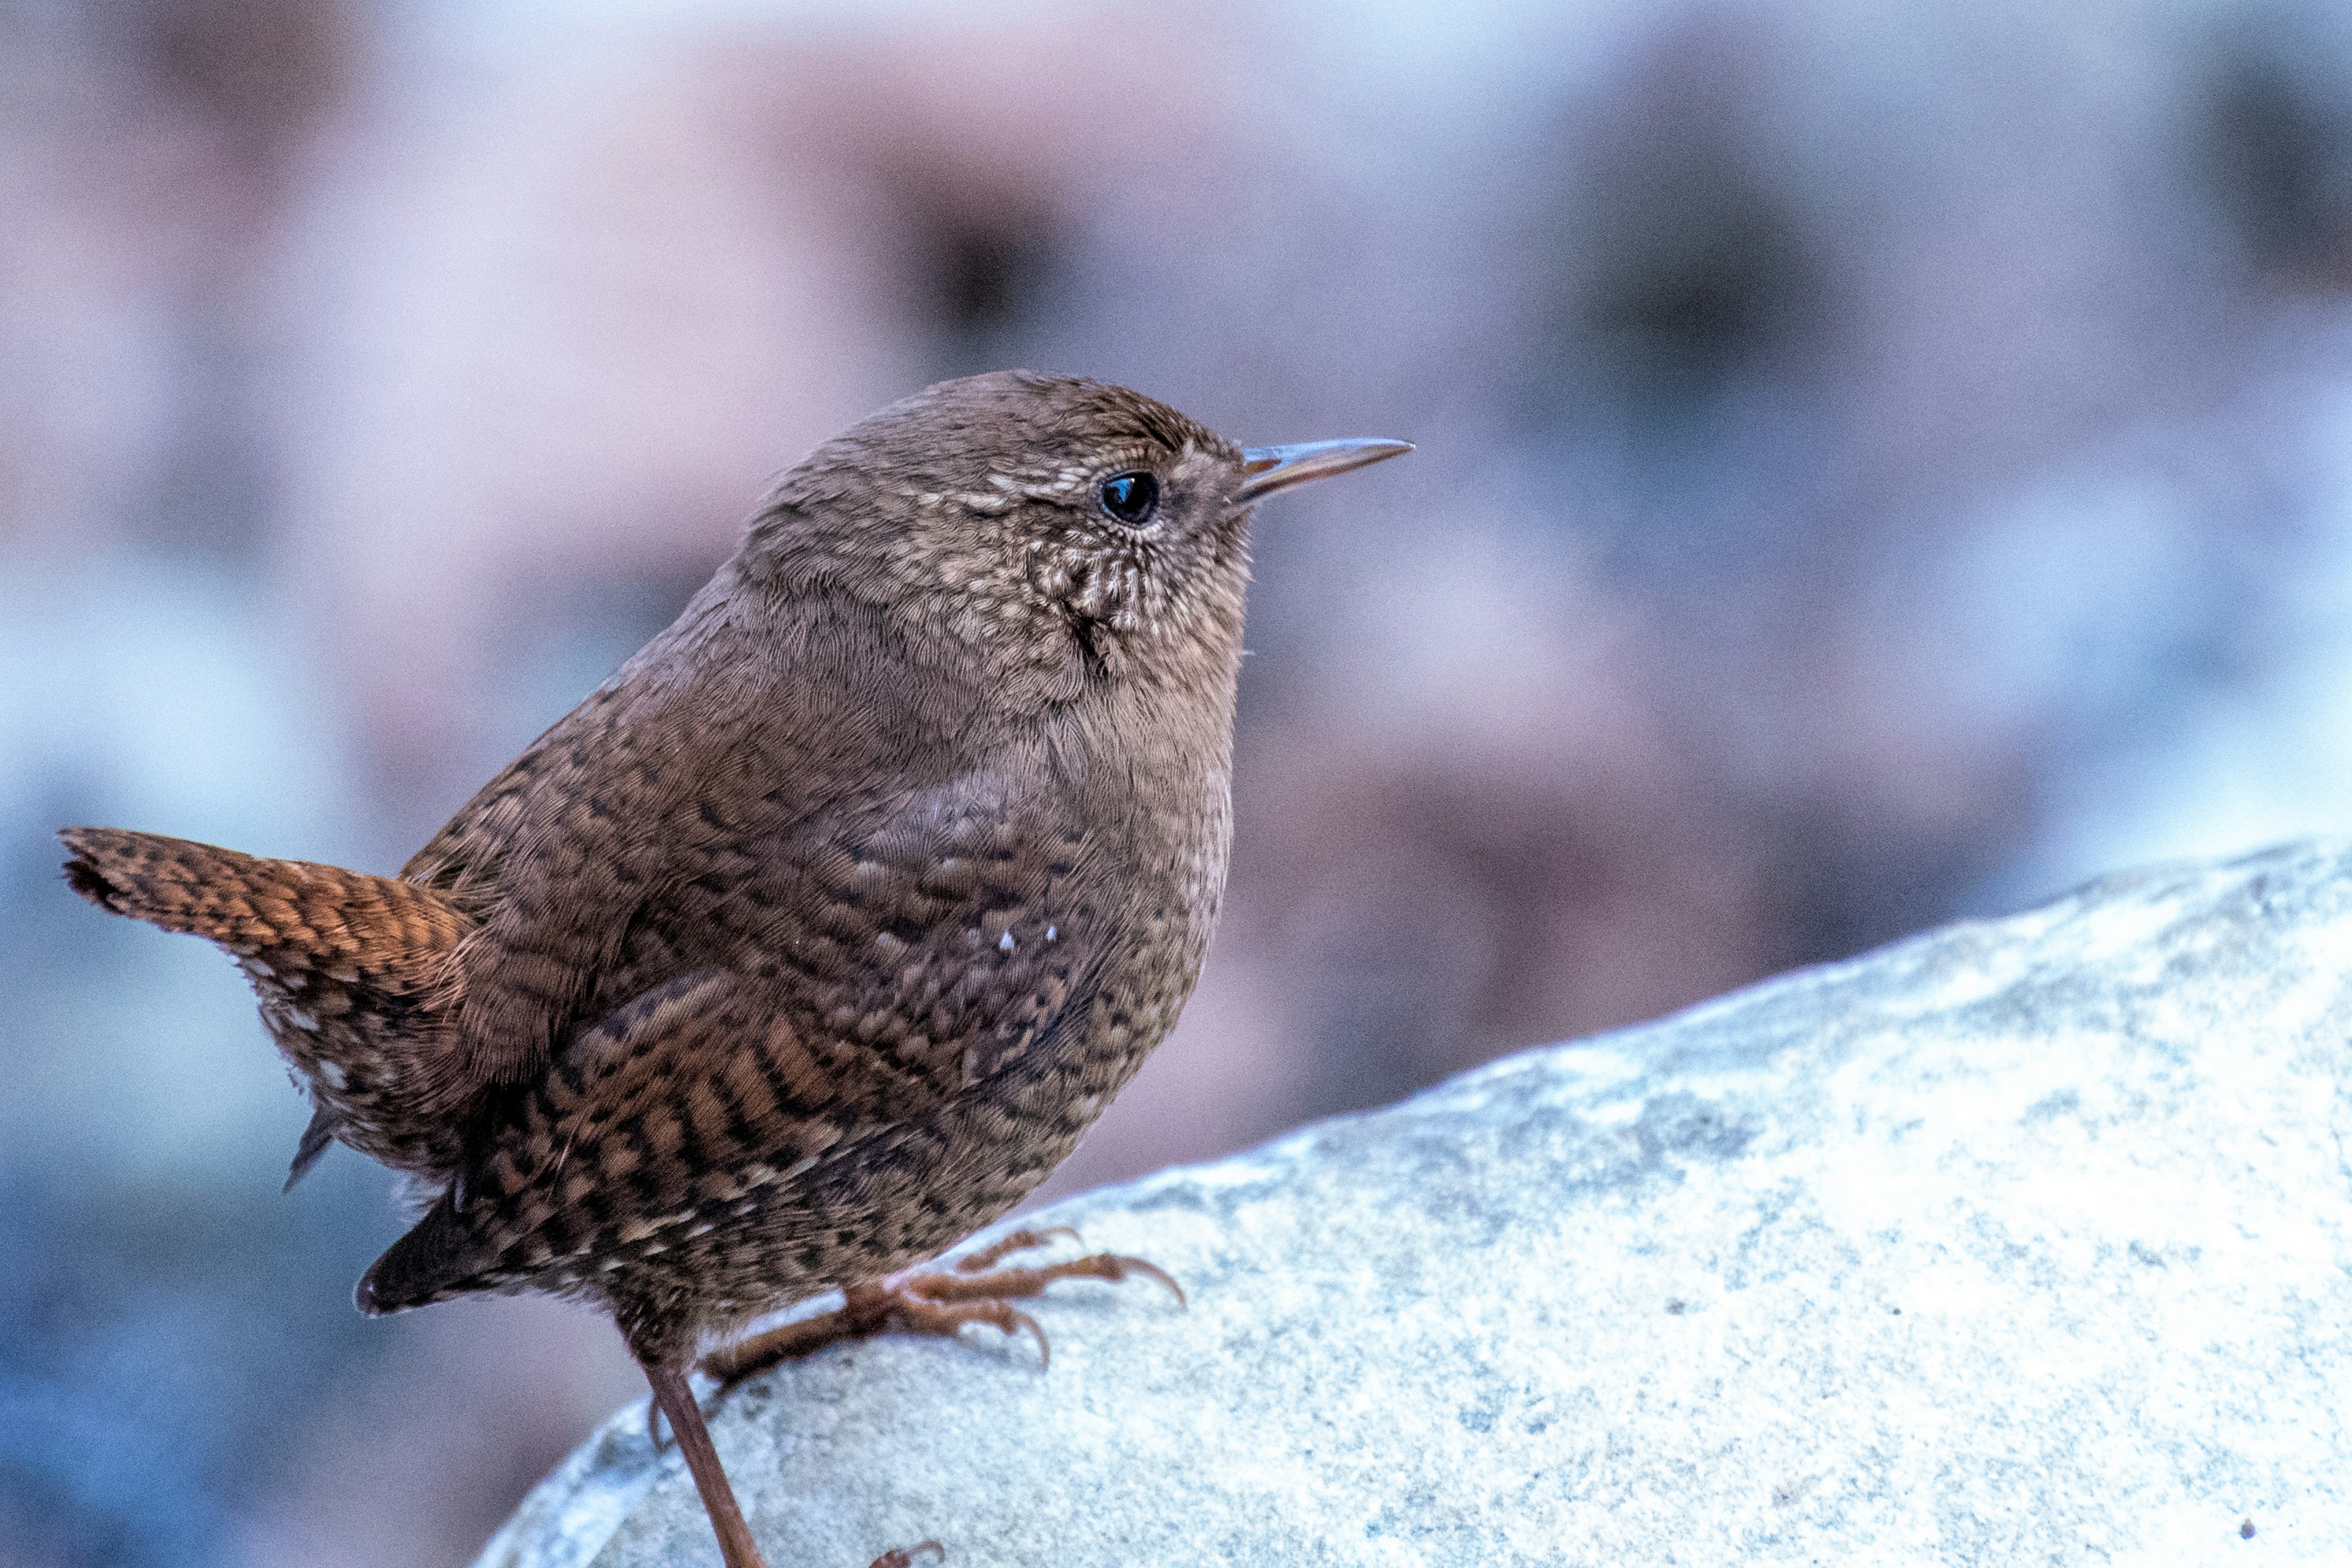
(677, 1402)
(934, 1303)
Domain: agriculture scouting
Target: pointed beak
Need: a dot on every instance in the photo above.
(1272, 469)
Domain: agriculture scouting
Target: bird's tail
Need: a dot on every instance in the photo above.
(343, 919)
(355, 973)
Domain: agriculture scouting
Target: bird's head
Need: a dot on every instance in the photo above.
(1047, 531)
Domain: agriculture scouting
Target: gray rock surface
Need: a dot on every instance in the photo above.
(2023, 1241)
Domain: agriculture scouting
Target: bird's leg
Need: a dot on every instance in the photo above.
(677, 1402)
(935, 1301)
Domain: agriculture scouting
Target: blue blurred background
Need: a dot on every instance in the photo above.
(1878, 464)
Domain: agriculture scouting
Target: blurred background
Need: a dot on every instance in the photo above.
(1878, 464)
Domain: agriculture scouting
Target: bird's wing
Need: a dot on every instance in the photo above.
(593, 865)
(793, 814)
(912, 951)
(694, 1094)
(634, 1121)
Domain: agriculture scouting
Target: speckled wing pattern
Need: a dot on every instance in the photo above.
(592, 864)
(800, 992)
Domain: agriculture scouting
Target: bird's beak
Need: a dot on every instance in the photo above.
(1272, 469)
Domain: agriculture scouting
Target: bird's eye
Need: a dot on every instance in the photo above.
(1130, 497)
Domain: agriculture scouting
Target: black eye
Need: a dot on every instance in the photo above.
(1130, 497)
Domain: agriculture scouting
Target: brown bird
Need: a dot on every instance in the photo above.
(820, 933)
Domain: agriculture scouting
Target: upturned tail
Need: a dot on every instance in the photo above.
(356, 975)
(343, 919)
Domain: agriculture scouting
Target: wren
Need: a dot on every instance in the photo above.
(819, 934)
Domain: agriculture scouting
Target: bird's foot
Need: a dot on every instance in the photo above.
(934, 1301)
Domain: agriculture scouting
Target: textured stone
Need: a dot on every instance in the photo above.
(2024, 1240)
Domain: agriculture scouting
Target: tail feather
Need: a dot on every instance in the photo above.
(356, 975)
(341, 920)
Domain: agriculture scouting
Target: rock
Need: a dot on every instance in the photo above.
(2022, 1240)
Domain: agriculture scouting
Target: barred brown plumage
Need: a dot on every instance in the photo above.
(356, 976)
(818, 935)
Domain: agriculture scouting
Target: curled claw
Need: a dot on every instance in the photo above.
(1112, 1267)
(1115, 1267)
(904, 1556)
(1005, 1245)
(1013, 1321)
